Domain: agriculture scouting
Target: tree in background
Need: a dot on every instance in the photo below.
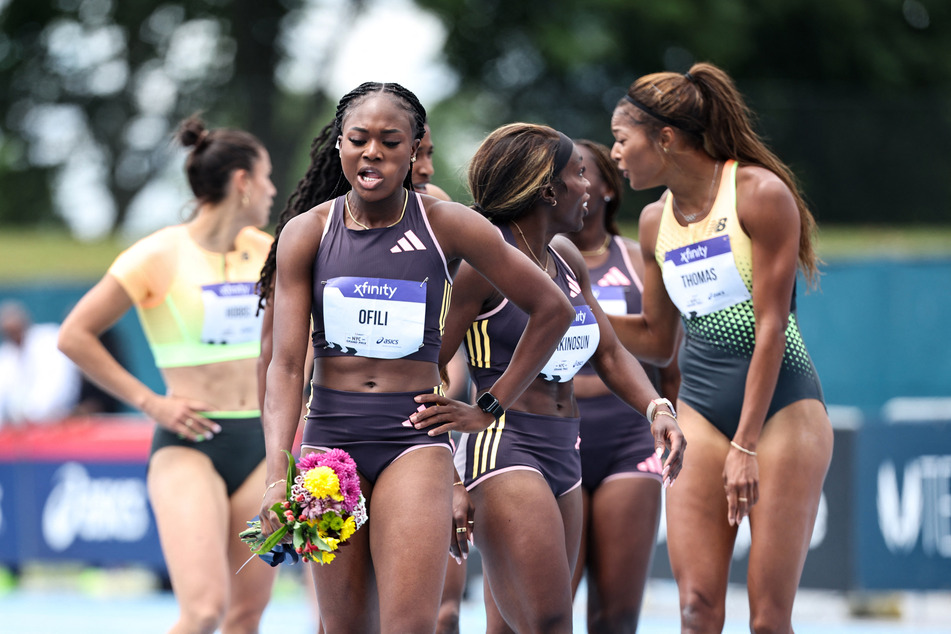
(856, 94)
(93, 88)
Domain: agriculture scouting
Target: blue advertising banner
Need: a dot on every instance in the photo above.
(95, 512)
(10, 494)
(76, 491)
(903, 506)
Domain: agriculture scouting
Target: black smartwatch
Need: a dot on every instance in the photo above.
(489, 404)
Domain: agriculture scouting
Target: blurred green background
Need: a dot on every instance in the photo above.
(854, 94)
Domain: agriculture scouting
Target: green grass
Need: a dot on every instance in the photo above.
(31, 255)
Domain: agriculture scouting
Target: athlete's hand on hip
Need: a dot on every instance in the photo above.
(448, 415)
(667, 435)
(181, 416)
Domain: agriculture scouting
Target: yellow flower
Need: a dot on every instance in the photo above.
(326, 558)
(322, 482)
(349, 527)
(331, 542)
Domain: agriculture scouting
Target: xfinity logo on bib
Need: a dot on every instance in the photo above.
(692, 253)
(375, 290)
(235, 289)
(580, 316)
(93, 509)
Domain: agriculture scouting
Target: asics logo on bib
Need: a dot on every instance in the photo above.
(409, 242)
(692, 253)
(374, 290)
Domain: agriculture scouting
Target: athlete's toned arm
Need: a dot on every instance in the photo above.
(670, 373)
(95, 313)
(293, 293)
(264, 359)
(621, 372)
(768, 214)
(467, 235)
(652, 335)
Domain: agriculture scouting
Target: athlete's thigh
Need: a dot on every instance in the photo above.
(346, 587)
(524, 551)
(794, 452)
(699, 537)
(190, 503)
(582, 561)
(412, 510)
(623, 529)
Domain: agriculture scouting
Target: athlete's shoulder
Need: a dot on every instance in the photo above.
(256, 237)
(437, 192)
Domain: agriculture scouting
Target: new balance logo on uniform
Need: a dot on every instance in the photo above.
(409, 242)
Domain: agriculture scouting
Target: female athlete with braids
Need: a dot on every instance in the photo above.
(373, 267)
(721, 248)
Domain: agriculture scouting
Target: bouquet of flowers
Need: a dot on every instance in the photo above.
(322, 509)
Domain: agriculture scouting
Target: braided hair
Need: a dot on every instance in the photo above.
(324, 179)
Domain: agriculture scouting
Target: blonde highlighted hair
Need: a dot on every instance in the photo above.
(706, 107)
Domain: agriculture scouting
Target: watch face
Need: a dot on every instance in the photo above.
(489, 404)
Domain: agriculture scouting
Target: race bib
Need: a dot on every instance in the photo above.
(576, 347)
(702, 278)
(230, 313)
(374, 317)
(611, 299)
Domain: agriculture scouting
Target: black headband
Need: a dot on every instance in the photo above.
(566, 147)
(662, 118)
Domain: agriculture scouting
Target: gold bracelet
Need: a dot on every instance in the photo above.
(661, 412)
(272, 485)
(743, 449)
(460, 482)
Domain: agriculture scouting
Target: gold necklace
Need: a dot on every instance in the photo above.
(691, 217)
(346, 203)
(529, 247)
(599, 250)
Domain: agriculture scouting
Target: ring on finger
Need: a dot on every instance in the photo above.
(742, 499)
(461, 529)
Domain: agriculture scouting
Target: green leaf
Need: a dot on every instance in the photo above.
(291, 473)
(299, 540)
(321, 544)
(271, 541)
